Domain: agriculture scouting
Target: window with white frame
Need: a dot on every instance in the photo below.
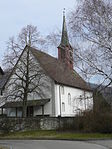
(69, 98)
(63, 107)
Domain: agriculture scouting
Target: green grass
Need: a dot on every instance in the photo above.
(41, 134)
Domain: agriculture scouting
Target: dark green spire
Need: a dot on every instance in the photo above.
(64, 37)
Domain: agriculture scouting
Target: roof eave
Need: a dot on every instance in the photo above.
(85, 89)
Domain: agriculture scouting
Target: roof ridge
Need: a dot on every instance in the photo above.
(58, 71)
(33, 48)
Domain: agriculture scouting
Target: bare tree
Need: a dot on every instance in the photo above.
(52, 41)
(28, 81)
(27, 78)
(28, 35)
(91, 24)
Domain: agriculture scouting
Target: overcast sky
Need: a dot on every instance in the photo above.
(45, 14)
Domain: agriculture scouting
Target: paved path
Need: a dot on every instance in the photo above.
(50, 144)
(106, 143)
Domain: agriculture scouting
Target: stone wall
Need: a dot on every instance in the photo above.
(37, 123)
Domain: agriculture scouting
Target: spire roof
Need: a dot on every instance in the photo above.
(64, 37)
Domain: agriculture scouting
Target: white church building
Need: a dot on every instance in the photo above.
(55, 88)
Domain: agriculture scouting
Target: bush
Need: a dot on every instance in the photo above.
(5, 125)
(97, 122)
(89, 122)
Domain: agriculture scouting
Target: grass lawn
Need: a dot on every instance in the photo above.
(44, 134)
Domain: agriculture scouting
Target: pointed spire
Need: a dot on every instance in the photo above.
(65, 50)
(64, 37)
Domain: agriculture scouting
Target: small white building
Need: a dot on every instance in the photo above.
(57, 91)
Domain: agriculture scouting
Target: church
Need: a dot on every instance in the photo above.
(54, 88)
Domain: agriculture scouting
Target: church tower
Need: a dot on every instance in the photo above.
(65, 51)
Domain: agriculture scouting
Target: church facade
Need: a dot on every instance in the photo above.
(55, 88)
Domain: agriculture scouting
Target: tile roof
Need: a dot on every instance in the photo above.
(58, 71)
(55, 69)
(13, 104)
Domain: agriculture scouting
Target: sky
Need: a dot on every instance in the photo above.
(45, 14)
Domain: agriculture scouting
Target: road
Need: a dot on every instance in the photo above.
(49, 144)
(106, 143)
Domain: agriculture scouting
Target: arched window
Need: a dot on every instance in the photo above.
(69, 98)
(62, 89)
(81, 100)
(80, 97)
(63, 107)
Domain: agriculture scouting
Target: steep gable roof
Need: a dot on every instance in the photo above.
(58, 71)
(55, 69)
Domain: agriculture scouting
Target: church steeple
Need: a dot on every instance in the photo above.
(65, 51)
(64, 37)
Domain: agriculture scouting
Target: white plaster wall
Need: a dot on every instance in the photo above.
(70, 110)
(80, 100)
(45, 81)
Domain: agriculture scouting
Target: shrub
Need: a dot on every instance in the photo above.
(97, 122)
(5, 125)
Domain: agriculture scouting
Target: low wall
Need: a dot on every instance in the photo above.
(37, 123)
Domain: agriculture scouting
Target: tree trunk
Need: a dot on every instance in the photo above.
(26, 88)
(25, 105)
(24, 111)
